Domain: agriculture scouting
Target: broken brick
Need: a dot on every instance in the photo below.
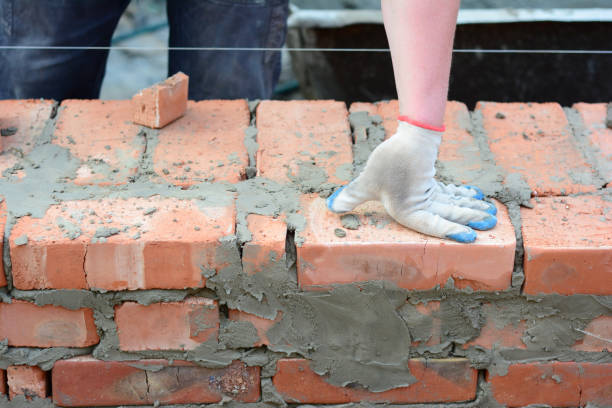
(161, 103)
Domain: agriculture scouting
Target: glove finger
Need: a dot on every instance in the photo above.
(465, 202)
(432, 224)
(475, 219)
(463, 190)
(350, 196)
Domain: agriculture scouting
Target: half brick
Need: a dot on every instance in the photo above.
(100, 134)
(438, 380)
(300, 138)
(28, 381)
(167, 326)
(568, 246)
(207, 144)
(161, 103)
(535, 141)
(381, 249)
(25, 324)
(118, 244)
(557, 384)
(85, 381)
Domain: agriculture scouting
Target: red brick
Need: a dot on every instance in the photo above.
(3, 384)
(494, 334)
(167, 326)
(2, 225)
(267, 244)
(558, 384)
(292, 134)
(85, 381)
(568, 246)
(207, 144)
(594, 119)
(438, 380)
(161, 103)
(389, 111)
(29, 118)
(26, 380)
(100, 134)
(261, 325)
(597, 335)
(26, 325)
(535, 141)
(181, 236)
(370, 108)
(381, 249)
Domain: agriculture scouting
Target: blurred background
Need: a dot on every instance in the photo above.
(368, 76)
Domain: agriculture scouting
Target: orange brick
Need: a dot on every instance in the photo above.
(207, 144)
(161, 103)
(267, 244)
(535, 141)
(599, 135)
(363, 107)
(27, 325)
(167, 326)
(293, 134)
(568, 246)
(261, 325)
(26, 380)
(381, 249)
(558, 384)
(495, 335)
(100, 134)
(146, 238)
(438, 380)
(3, 382)
(2, 225)
(85, 381)
(27, 118)
(597, 335)
(389, 111)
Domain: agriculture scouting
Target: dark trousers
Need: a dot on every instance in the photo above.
(63, 74)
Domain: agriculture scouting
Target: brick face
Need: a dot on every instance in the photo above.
(167, 326)
(449, 380)
(26, 380)
(143, 242)
(26, 325)
(100, 134)
(267, 244)
(298, 135)
(423, 262)
(207, 144)
(130, 383)
(568, 246)
(558, 384)
(535, 141)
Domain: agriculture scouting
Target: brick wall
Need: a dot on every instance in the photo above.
(190, 265)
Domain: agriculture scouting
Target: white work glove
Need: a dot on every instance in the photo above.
(400, 174)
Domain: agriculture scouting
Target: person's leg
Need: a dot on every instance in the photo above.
(227, 23)
(56, 74)
(420, 35)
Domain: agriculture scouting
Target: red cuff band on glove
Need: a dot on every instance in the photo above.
(421, 125)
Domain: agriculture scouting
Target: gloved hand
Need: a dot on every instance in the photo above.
(400, 173)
